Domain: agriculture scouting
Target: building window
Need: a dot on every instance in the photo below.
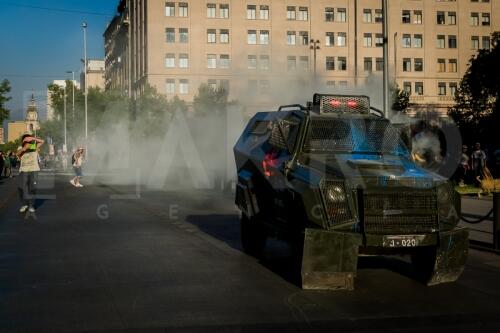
(453, 88)
(474, 19)
(407, 87)
(170, 86)
(212, 84)
(170, 60)
(419, 88)
(211, 61)
(379, 64)
(406, 64)
(264, 86)
(224, 61)
(486, 19)
(183, 60)
(341, 15)
(224, 11)
(170, 35)
(367, 40)
(379, 17)
(330, 83)
(211, 7)
(440, 18)
(419, 64)
(211, 36)
(183, 9)
(183, 35)
(183, 87)
(367, 15)
(264, 62)
(441, 65)
(304, 63)
(405, 16)
(264, 12)
(342, 63)
(368, 64)
(224, 84)
(341, 38)
(406, 41)
(441, 88)
(169, 9)
(417, 16)
(452, 41)
(440, 42)
(342, 84)
(252, 37)
(452, 18)
(417, 41)
(224, 36)
(486, 42)
(252, 86)
(379, 40)
(251, 12)
(264, 37)
(304, 37)
(329, 14)
(290, 13)
(303, 14)
(452, 65)
(474, 42)
(291, 63)
(252, 62)
(329, 39)
(290, 37)
(330, 63)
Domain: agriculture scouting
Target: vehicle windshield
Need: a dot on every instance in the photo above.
(353, 135)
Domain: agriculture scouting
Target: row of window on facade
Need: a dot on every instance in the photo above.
(254, 12)
(442, 17)
(443, 88)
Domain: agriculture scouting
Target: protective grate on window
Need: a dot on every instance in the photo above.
(280, 132)
(342, 104)
(336, 202)
(353, 135)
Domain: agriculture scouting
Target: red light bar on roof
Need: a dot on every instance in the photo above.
(342, 103)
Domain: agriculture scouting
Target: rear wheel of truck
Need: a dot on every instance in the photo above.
(253, 236)
(423, 263)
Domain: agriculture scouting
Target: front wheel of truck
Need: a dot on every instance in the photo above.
(253, 236)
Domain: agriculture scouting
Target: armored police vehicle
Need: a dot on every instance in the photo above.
(335, 179)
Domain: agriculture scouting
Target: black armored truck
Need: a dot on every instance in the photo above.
(335, 179)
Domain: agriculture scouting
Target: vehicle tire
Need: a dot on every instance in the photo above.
(253, 236)
(423, 263)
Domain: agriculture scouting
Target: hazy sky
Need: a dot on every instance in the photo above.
(42, 39)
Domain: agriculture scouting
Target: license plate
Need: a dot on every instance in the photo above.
(402, 241)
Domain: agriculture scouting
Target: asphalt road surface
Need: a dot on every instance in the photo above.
(99, 258)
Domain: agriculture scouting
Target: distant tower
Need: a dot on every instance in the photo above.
(31, 120)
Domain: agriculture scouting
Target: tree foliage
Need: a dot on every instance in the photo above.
(4, 90)
(210, 100)
(477, 100)
(400, 98)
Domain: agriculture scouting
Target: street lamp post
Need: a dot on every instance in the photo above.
(73, 85)
(315, 47)
(84, 26)
(65, 128)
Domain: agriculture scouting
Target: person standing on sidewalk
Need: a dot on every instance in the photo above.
(28, 171)
(478, 161)
(8, 165)
(77, 161)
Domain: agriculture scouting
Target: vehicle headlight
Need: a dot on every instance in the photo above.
(335, 194)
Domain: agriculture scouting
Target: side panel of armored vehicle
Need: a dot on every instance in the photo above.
(337, 181)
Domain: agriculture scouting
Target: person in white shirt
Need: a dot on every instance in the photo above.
(28, 171)
(77, 161)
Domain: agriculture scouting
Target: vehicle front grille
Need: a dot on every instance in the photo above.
(401, 212)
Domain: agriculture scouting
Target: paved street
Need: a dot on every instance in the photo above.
(96, 259)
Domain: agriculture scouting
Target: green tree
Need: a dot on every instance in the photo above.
(477, 100)
(4, 90)
(400, 98)
(210, 100)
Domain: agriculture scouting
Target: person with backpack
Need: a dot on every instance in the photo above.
(77, 161)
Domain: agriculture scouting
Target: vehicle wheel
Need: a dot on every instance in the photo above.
(423, 263)
(253, 236)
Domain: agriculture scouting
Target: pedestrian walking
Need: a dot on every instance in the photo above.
(77, 161)
(464, 167)
(478, 158)
(28, 171)
(8, 165)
